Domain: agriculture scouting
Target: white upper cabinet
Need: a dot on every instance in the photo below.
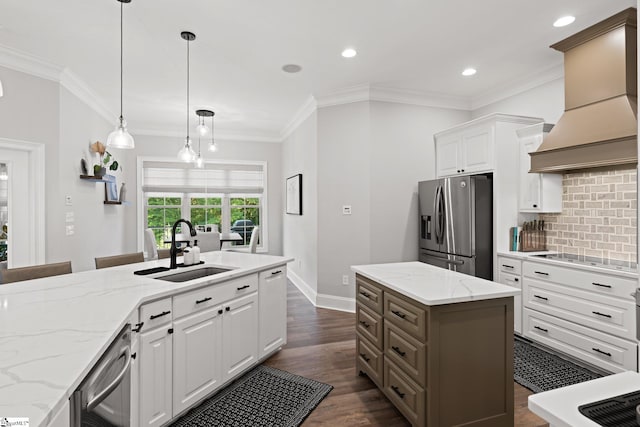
(465, 151)
(538, 192)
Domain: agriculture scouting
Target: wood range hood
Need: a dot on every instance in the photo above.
(599, 126)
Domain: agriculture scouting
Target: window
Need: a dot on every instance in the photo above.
(229, 195)
(161, 211)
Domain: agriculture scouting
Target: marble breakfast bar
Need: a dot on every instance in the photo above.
(439, 344)
(53, 330)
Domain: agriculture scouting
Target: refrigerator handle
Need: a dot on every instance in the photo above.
(441, 215)
(436, 212)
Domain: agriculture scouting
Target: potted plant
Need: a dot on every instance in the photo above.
(106, 160)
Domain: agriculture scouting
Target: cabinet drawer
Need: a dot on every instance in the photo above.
(606, 314)
(510, 280)
(209, 296)
(156, 313)
(602, 284)
(369, 325)
(369, 293)
(370, 359)
(602, 350)
(408, 316)
(509, 265)
(409, 354)
(404, 393)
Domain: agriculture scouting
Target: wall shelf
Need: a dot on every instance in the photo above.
(109, 202)
(93, 178)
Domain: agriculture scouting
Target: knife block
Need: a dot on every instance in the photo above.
(533, 240)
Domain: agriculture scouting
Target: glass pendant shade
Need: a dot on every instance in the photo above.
(199, 162)
(120, 137)
(202, 129)
(186, 153)
(213, 147)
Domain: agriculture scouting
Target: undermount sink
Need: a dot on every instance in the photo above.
(185, 276)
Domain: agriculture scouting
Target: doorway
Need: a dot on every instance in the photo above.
(22, 207)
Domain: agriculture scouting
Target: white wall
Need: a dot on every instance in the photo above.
(163, 146)
(300, 232)
(546, 101)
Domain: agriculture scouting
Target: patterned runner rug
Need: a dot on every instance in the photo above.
(264, 396)
(539, 371)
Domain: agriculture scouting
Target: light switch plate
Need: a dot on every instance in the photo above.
(346, 210)
(68, 201)
(70, 230)
(345, 279)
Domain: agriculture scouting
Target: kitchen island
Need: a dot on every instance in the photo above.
(53, 330)
(438, 343)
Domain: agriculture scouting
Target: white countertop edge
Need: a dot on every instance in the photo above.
(505, 291)
(178, 288)
(559, 407)
(530, 256)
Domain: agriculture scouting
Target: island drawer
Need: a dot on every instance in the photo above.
(369, 293)
(404, 393)
(606, 314)
(156, 313)
(408, 316)
(603, 350)
(409, 354)
(199, 299)
(369, 359)
(369, 325)
(602, 284)
(510, 265)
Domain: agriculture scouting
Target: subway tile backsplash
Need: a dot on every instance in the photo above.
(599, 215)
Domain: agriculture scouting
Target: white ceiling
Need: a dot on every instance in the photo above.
(241, 45)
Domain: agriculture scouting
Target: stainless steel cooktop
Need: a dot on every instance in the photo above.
(611, 264)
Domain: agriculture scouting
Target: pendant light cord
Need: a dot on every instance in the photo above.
(121, 56)
(187, 90)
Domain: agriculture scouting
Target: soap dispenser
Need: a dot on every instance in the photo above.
(187, 255)
(196, 252)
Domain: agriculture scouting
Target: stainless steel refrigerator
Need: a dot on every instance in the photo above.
(456, 224)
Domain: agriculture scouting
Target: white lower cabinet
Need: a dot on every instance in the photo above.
(272, 290)
(509, 273)
(197, 364)
(156, 385)
(202, 339)
(239, 335)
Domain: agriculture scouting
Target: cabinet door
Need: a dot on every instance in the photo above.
(239, 335)
(273, 309)
(196, 357)
(530, 183)
(155, 377)
(476, 150)
(516, 282)
(448, 155)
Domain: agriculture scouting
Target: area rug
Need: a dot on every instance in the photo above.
(539, 370)
(264, 396)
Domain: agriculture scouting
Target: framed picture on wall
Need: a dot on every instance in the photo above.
(294, 194)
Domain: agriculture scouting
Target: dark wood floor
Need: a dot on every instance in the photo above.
(321, 346)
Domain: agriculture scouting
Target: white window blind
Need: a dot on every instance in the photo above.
(223, 178)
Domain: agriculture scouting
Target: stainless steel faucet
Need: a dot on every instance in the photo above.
(174, 250)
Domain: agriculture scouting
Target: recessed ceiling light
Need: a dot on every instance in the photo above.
(291, 68)
(349, 53)
(469, 72)
(564, 21)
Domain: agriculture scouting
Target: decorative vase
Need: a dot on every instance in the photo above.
(123, 192)
(99, 171)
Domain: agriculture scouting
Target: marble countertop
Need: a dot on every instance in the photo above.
(529, 256)
(559, 407)
(53, 330)
(433, 285)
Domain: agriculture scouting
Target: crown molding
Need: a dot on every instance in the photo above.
(518, 86)
(346, 95)
(419, 98)
(307, 109)
(220, 135)
(30, 64)
(74, 84)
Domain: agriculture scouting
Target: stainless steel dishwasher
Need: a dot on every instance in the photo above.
(103, 398)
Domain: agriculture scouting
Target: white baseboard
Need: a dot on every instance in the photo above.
(336, 303)
(302, 286)
(322, 300)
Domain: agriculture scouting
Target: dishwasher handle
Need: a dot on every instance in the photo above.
(91, 404)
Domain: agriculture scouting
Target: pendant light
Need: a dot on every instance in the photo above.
(212, 144)
(201, 117)
(186, 153)
(202, 128)
(121, 138)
